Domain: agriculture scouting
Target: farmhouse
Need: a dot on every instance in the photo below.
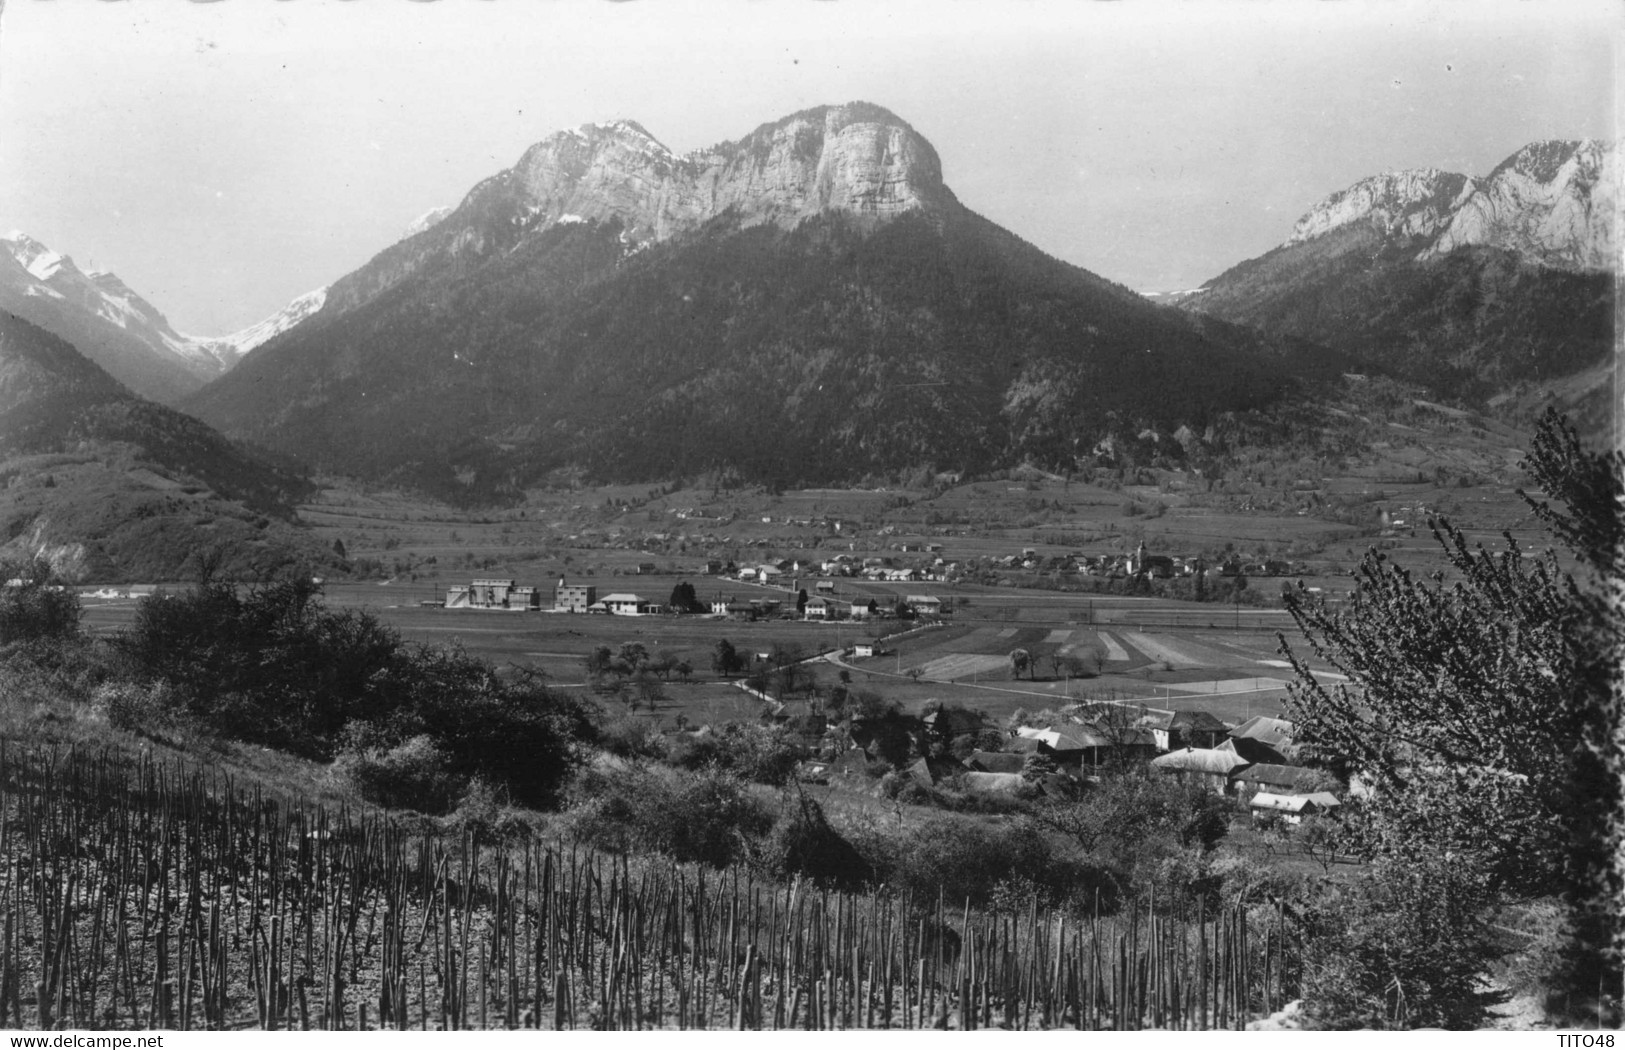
(1174, 730)
(1209, 767)
(819, 608)
(625, 604)
(573, 598)
(924, 604)
(1292, 809)
(1276, 779)
(1264, 739)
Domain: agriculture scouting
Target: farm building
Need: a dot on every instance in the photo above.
(573, 598)
(1267, 805)
(492, 594)
(1265, 739)
(1174, 730)
(1209, 767)
(924, 604)
(625, 604)
(820, 609)
(1276, 779)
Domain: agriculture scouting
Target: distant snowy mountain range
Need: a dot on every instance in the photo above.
(118, 329)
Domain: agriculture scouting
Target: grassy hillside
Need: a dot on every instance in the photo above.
(114, 487)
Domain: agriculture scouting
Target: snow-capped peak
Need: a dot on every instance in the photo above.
(36, 258)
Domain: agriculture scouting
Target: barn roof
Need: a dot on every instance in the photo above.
(1296, 778)
(1199, 760)
(1265, 730)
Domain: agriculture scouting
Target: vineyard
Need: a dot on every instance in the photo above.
(141, 894)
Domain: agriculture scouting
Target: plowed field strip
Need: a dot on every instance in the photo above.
(963, 665)
(1163, 649)
(1113, 650)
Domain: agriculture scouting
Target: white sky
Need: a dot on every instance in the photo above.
(223, 158)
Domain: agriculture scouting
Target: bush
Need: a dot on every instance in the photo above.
(803, 843)
(35, 605)
(1404, 948)
(707, 817)
(268, 664)
(411, 775)
(145, 710)
(763, 754)
(968, 859)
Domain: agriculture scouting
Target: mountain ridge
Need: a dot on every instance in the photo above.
(1475, 286)
(607, 305)
(121, 330)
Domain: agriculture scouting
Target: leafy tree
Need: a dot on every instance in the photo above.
(35, 605)
(1480, 705)
(725, 659)
(684, 600)
(1020, 660)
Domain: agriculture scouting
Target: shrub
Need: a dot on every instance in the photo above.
(410, 775)
(1404, 948)
(35, 605)
(967, 859)
(134, 708)
(804, 843)
(707, 816)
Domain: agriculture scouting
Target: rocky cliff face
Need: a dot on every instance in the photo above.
(1398, 204)
(1552, 203)
(856, 159)
(1476, 286)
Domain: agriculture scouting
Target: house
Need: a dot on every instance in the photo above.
(950, 722)
(573, 597)
(624, 604)
(1208, 767)
(863, 649)
(929, 772)
(924, 604)
(1174, 730)
(491, 594)
(819, 609)
(1276, 779)
(646, 568)
(1265, 739)
(722, 606)
(825, 586)
(1267, 805)
(860, 610)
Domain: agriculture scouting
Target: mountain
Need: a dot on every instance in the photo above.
(808, 303)
(113, 487)
(117, 328)
(1478, 287)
